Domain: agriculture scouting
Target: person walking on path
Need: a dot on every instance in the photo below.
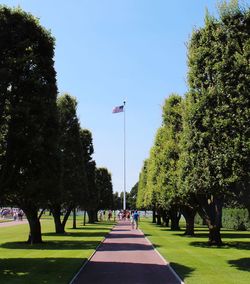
(136, 219)
(132, 220)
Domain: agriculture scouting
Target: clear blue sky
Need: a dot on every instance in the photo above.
(111, 50)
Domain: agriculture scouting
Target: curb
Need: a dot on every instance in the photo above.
(164, 260)
(88, 260)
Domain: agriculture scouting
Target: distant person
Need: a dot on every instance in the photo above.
(132, 220)
(136, 219)
(109, 215)
(101, 215)
(120, 215)
(20, 215)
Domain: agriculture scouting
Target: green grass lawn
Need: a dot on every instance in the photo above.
(55, 261)
(195, 262)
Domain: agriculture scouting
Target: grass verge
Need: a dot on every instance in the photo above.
(196, 262)
(55, 261)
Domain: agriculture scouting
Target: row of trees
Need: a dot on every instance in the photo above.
(201, 154)
(45, 156)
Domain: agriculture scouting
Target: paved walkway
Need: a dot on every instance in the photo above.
(126, 257)
(13, 223)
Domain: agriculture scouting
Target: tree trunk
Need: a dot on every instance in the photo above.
(154, 217)
(248, 209)
(59, 228)
(175, 218)
(96, 215)
(158, 218)
(165, 218)
(216, 217)
(84, 218)
(212, 212)
(214, 236)
(35, 236)
(41, 214)
(189, 214)
(74, 218)
(66, 216)
(91, 215)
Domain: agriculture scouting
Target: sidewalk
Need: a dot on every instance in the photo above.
(13, 223)
(126, 257)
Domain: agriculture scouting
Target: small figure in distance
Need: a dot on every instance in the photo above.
(132, 220)
(109, 215)
(136, 219)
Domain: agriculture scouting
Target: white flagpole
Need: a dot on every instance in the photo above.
(124, 158)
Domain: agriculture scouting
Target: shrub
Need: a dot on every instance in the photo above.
(198, 220)
(235, 218)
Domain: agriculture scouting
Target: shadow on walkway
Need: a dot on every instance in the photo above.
(126, 273)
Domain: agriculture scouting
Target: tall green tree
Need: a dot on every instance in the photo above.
(28, 117)
(219, 80)
(133, 196)
(91, 203)
(104, 188)
(142, 195)
(73, 184)
(117, 201)
(168, 157)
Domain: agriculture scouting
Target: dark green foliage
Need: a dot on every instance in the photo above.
(236, 218)
(132, 196)
(71, 149)
(104, 187)
(117, 201)
(144, 198)
(28, 106)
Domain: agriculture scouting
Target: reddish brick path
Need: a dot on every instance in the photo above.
(126, 257)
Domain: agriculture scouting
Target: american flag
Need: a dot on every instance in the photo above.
(117, 109)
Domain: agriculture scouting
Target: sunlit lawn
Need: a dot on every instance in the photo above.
(54, 261)
(197, 263)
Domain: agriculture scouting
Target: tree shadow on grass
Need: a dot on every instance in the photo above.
(241, 263)
(196, 235)
(52, 245)
(231, 235)
(182, 270)
(226, 245)
(147, 235)
(235, 235)
(39, 270)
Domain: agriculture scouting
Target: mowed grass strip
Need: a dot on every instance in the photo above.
(56, 260)
(196, 262)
